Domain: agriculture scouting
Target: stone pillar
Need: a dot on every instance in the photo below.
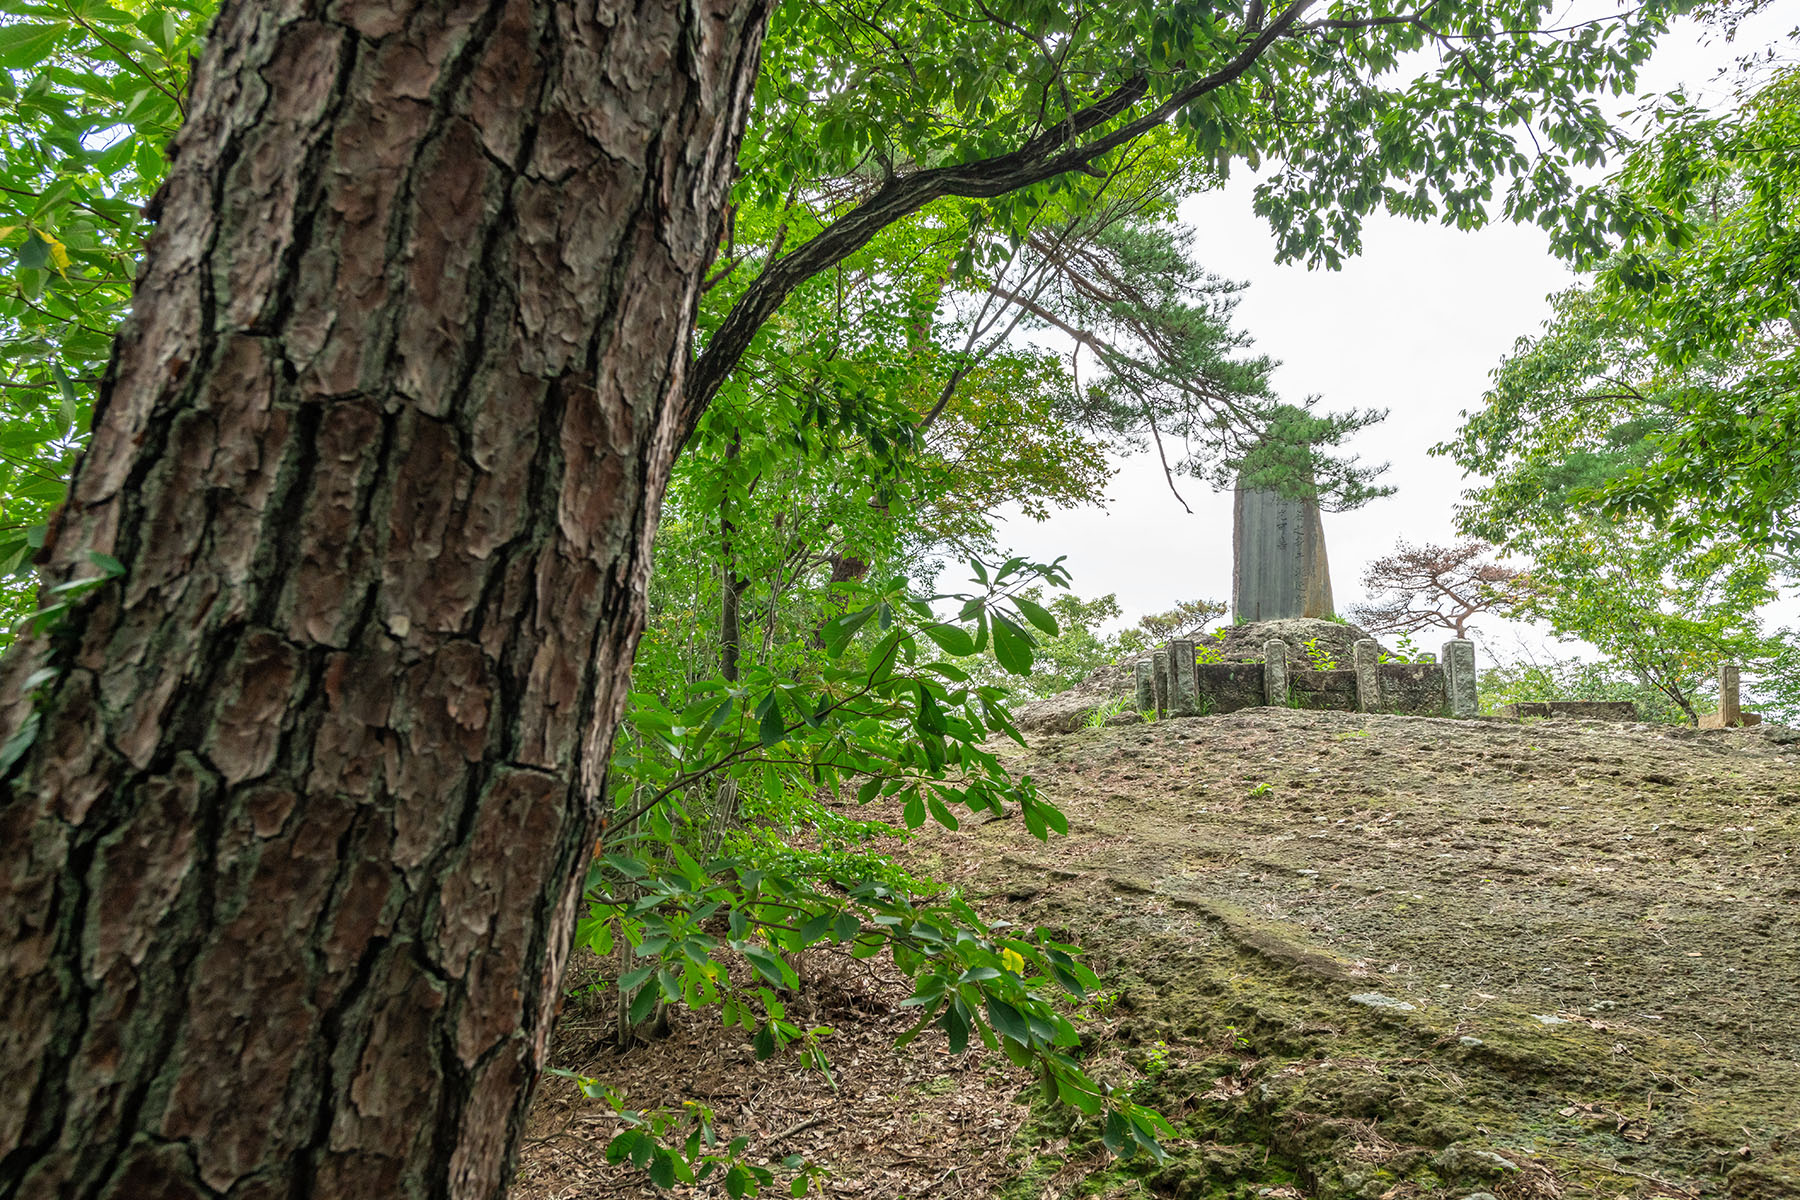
(1146, 685)
(1459, 677)
(1159, 666)
(1368, 674)
(1184, 700)
(1731, 712)
(1275, 674)
(1279, 567)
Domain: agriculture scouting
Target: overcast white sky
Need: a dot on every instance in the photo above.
(1413, 325)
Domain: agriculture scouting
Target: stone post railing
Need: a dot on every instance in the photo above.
(1169, 683)
(1731, 712)
(1459, 677)
(1367, 653)
(1184, 700)
(1275, 673)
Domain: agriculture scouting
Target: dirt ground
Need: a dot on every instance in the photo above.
(1348, 955)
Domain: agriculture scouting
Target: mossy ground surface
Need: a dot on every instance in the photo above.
(1596, 928)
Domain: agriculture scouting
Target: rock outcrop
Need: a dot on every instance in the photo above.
(1068, 711)
(1244, 643)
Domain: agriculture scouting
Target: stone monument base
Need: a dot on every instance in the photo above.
(1591, 710)
(1719, 720)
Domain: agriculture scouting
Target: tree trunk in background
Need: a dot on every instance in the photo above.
(288, 873)
(731, 594)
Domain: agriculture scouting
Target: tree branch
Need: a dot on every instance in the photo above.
(1045, 156)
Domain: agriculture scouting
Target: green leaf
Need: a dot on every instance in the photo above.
(838, 631)
(642, 1005)
(914, 811)
(817, 927)
(1007, 1019)
(1118, 1132)
(632, 980)
(624, 1146)
(951, 639)
(596, 935)
(941, 814)
(771, 729)
(27, 45)
(1036, 614)
(34, 254)
(1012, 646)
(19, 742)
(769, 965)
(14, 553)
(70, 406)
(1145, 1137)
(1076, 1095)
(956, 1025)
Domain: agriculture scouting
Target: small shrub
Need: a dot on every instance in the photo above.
(1405, 651)
(1320, 657)
(1107, 710)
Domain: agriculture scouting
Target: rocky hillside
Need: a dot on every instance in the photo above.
(1351, 956)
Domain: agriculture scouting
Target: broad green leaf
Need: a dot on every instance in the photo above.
(28, 44)
(1007, 1020)
(1036, 614)
(1012, 647)
(633, 979)
(771, 729)
(950, 638)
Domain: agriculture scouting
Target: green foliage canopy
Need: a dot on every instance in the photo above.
(1708, 273)
(91, 94)
(1642, 449)
(1669, 386)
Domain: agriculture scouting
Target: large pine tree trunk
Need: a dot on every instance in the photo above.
(287, 876)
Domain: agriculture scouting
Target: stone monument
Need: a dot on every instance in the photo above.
(1277, 543)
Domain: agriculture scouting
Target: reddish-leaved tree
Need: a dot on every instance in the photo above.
(1418, 587)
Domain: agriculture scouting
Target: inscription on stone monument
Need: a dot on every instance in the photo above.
(1279, 569)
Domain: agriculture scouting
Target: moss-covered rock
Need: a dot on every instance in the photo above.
(1584, 921)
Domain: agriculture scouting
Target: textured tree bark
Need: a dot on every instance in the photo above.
(288, 873)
